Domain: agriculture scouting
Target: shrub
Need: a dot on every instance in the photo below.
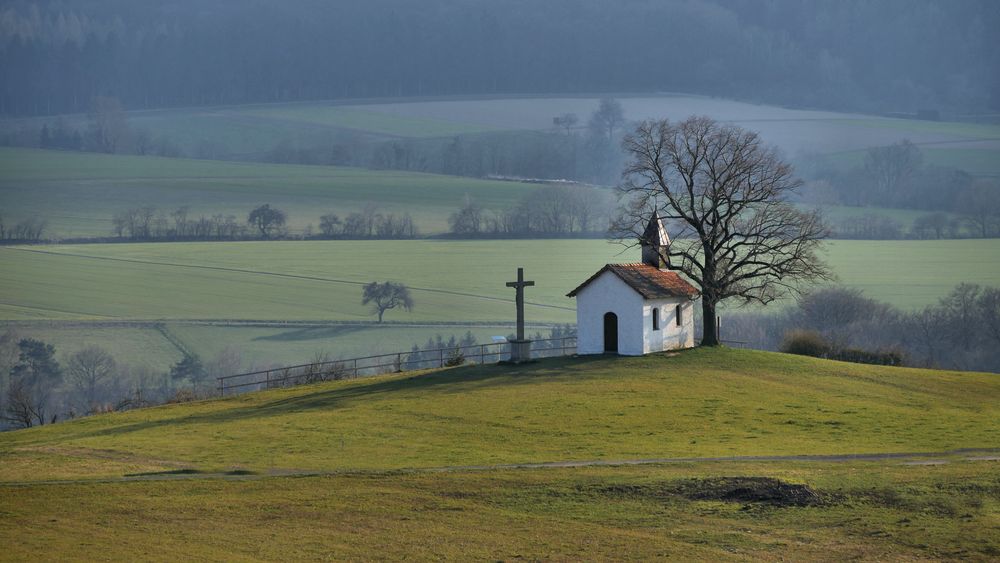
(183, 396)
(875, 357)
(805, 343)
(455, 358)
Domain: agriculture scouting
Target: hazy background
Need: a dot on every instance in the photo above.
(886, 56)
(443, 144)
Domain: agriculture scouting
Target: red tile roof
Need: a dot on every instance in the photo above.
(650, 282)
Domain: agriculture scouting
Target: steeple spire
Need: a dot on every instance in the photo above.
(655, 242)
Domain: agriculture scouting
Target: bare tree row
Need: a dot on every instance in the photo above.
(550, 210)
(961, 331)
(25, 230)
(37, 387)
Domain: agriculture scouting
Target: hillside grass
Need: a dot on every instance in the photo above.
(875, 511)
(78, 193)
(210, 480)
(698, 403)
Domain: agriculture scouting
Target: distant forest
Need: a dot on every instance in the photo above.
(885, 56)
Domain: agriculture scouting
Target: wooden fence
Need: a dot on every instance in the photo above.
(352, 368)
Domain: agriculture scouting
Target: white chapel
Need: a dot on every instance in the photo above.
(635, 309)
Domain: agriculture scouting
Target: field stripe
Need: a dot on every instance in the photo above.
(80, 314)
(280, 275)
(802, 458)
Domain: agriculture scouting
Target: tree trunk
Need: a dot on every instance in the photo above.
(710, 334)
(380, 313)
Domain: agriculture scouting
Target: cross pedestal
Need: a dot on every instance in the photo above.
(520, 348)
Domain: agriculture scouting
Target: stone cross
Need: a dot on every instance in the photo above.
(519, 286)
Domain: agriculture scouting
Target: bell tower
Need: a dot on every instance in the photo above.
(655, 242)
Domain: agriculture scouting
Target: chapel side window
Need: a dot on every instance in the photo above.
(677, 315)
(656, 318)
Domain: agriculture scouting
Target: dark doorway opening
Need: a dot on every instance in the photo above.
(610, 333)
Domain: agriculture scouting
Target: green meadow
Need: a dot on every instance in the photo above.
(77, 193)
(698, 403)
(357, 469)
(975, 161)
(364, 118)
(877, 511)
(321, 280)
(49, 290)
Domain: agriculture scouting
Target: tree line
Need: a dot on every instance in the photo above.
(553, 209)
(31, 229)
(56, 56)
(264, 222)
(38, 386)
(586, 152)
(961, 331)
(897, 176)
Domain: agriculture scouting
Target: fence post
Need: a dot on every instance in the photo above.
(355, 368)
(267, 379)
(441, 357)
(399, 362)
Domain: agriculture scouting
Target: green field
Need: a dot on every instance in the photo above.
(256, 129)
(320, 280)
(367, 119)
(975, 161)
(883, 512)
(77, 193)
(365, 442)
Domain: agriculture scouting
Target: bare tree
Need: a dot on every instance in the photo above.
(33, 380)
(385, 296)
(989, 311)
(980, 207)
(932, 225)
(566, 122)
(960, 309)
(228, 361)
(892, 166)
(468, 219)
(267, 220)
(725, 194)
(88, 371)
(608, 118)
(108, 125)
(330, 225)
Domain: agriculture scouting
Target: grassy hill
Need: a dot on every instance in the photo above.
(700, 403)
(369, 438)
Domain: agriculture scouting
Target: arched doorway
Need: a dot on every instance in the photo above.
(610, 333)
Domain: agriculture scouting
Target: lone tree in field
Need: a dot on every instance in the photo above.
(385, 296)
(725, 194)
(267, 220)
(607, 118)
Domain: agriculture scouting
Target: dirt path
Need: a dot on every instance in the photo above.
(907, 458)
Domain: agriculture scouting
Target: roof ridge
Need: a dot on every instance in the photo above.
(648, 280)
